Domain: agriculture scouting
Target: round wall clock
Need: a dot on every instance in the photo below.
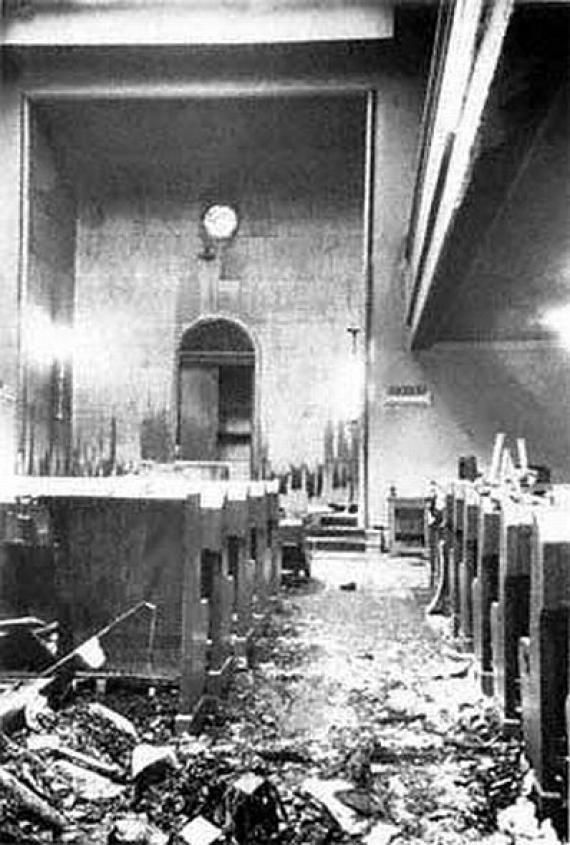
(220, 222)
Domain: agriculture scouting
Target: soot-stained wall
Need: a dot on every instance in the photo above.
(491, 381)
(293, 276)
(47, 309)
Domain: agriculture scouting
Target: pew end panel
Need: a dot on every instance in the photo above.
(568, 765)
(468, 567)
(485, 591)
(258, 545)
(245, 633)
(546, 661)
(195, 625)
(513, 607)
(456, 555)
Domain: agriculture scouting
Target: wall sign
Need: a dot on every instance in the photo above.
(408, 394)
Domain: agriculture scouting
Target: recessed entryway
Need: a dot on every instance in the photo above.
(216, 393)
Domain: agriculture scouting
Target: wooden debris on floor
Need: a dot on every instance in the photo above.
(408, 769)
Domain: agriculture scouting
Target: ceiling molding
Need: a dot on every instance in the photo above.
(100, 22)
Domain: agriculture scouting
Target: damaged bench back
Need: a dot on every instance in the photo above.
(468, 564)
(456, 550)
(508, 550)
(544, 654)
(510, 612)
(485, 589)
(106, 544)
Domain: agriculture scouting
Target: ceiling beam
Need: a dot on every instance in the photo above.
(454, 143)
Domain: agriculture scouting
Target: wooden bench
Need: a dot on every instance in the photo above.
(216, 585)
(273, 538)
(456, 550)
(568, 763)
(241, 566)
(510, 611)
(167, 541)
(468, 566)
(485, 589)
(259, 545)
(544, 656)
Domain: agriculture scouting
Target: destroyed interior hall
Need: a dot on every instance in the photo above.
(398, 309)
(285, 316)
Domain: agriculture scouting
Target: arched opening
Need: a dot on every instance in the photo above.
(216, 395)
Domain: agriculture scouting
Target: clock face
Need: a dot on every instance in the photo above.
(220, 222)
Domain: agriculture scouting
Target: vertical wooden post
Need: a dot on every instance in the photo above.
(546, 655)
(485, 590)
(368, 270)
(510, 613)
(456, 555)
(468, 567)
(195, 620)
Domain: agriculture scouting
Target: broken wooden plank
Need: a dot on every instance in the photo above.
(31, 802)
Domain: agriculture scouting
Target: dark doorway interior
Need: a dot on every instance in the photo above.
(216, 395)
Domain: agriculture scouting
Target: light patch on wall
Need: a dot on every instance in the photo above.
(90, 344)
(348, 390)
(558, 320)
(45, 341)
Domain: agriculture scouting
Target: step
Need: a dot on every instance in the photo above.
(337, 543)
(335, 520)
(336, 531)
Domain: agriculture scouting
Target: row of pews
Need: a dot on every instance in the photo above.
(200, 558)
(502, 557)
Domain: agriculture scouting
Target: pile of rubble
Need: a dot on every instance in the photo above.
(393, 761)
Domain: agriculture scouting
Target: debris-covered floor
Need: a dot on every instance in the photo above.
(358, 723)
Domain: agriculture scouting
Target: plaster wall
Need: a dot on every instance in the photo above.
(477, 388)
(293, 277)
(9, 265)
(521, 389)
(48, 307)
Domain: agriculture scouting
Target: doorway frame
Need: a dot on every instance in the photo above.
(228, 358)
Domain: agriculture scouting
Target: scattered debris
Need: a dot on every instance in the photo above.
(326, 793)
(381, 834)
(351, 728)
(20, 698)
(150, 760)
(118, 721)
(254, 807)
(52, 742)
(362, 801)
(86, 784)
(200, 832)
(133, 829)
(31, 802)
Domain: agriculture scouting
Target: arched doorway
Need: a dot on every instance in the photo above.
(216, 394)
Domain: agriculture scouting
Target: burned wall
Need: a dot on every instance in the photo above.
(491, 371)
(47, 308)
(293, 275)
(10, 127)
